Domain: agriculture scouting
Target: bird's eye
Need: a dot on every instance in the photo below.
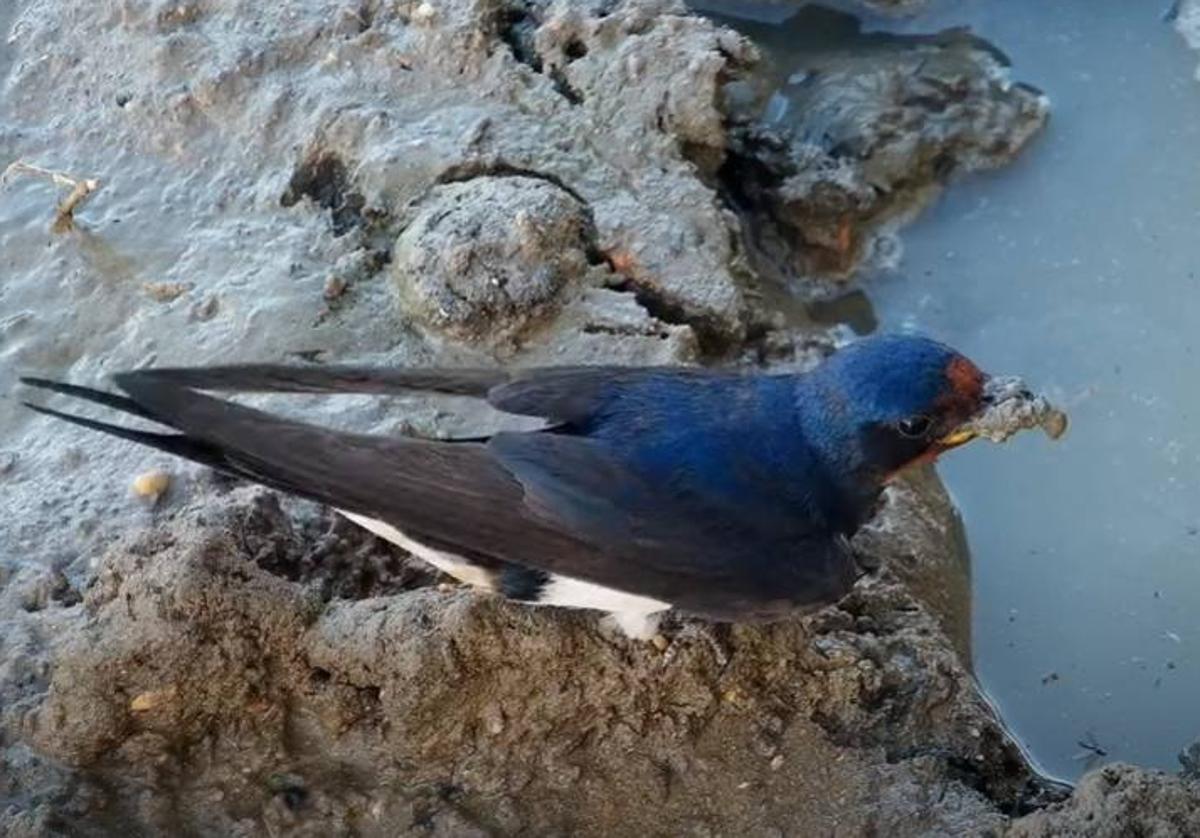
(914, 426)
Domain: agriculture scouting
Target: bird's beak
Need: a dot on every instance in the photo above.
(1007, 406)
(959, 436)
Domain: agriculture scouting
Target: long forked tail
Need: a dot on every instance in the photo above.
(257, 378)
(424, 486)
(179, 444)
(334, 378)
(326, 378)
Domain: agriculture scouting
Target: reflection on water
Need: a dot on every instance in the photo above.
(1079, 268)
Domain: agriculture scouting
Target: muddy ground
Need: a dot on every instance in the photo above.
(461, 182)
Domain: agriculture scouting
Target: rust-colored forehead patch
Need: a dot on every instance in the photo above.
(966, 379)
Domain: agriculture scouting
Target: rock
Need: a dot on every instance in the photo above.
(483, 257)
(862, 131)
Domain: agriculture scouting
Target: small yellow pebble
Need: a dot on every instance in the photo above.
(151, 485)
(150, 699)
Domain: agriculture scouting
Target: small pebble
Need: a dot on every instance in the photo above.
(206, 309)
(335, 287)
(151, 485)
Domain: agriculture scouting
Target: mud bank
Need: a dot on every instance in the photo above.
(195, 688)
(420, 183)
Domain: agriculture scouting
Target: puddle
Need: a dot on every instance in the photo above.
(1077, 267)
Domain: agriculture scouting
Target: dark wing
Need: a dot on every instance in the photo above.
(558, 503)
(561, 394)
(708, 558)
(331, 378)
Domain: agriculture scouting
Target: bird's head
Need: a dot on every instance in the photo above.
(900, 400)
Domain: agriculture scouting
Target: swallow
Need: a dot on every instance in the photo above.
(725, 495)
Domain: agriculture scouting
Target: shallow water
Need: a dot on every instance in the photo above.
(1078, 267)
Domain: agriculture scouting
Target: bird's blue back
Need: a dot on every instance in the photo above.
(735, 441)
(786, 449)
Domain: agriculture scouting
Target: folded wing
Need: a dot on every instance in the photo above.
(560, 503)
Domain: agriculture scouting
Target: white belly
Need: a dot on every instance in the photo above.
(447, 563)
(637, 616)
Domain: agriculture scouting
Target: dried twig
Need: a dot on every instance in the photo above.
(81, 189)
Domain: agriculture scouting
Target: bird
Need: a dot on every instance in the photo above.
(728, 495)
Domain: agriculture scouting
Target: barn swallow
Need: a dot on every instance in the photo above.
(725, 495)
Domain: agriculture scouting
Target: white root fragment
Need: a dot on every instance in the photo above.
(81, 190)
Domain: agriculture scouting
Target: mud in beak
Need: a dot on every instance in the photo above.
(1008, 407)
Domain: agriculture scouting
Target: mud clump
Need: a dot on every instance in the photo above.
(490, 251)
(863, 131)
